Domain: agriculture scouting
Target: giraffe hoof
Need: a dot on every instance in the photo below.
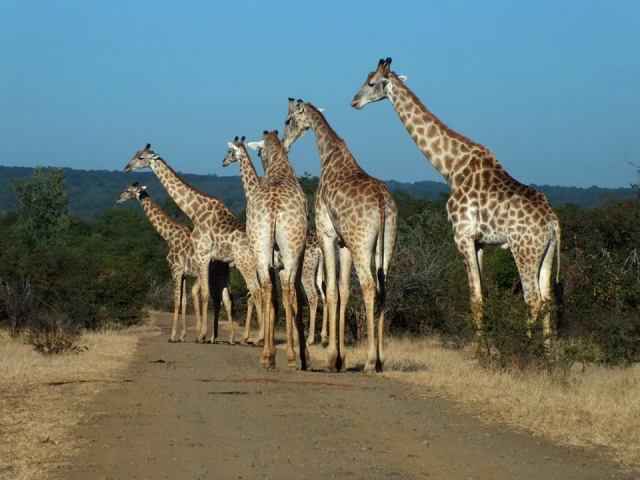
(244, 342)
(369, 368)
(268, 362)
(324, 342)
(171, 340)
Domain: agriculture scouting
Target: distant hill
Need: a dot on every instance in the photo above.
(91, 192)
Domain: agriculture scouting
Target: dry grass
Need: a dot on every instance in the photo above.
(594, 407)
(42, 398)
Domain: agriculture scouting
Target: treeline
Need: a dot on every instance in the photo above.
(61, 273)
(103, 186)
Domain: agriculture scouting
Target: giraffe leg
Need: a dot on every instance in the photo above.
(287, 298)
(247, 322)
(203, 279)
(183, 295)
(321, 289)
(259, 314)
(368, 285)
(195, 295)
(313, 310)
(345, 291)
(328, 253)
(226, 300)
(390, 231)
(177, 288)
(546, 289)
(528, 268)
(268, 359)
(216, 301)
(467, 248)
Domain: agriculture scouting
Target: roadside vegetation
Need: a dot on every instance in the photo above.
(62, 278)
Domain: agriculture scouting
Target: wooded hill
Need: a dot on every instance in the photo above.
(91, 192)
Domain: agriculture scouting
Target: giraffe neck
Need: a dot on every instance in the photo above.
(278, 163)
(158, 218)
(188, 199)
(248, 174)
(327, 140)
(443, 147)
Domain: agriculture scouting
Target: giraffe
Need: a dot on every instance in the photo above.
(486, 205)
(277, 216)
(312, 273)
(180, 257)
(357, 212)
(312, 285)
(217, 235)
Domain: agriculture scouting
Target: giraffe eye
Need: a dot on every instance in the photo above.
(287, 121)
(371, 84)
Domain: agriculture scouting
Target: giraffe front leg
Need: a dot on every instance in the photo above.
(268, 359)
(260, 314)
(183, 295)
(177, 288)
(313, 310)
(226, 300)
(203, 279)
(345, 292)
(195, 295)
(286, 300)
(468, 250)
(331, 304)
(247, 322)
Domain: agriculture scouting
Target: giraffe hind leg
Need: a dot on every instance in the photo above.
(183, 301)
(546, 289)
(177, 288)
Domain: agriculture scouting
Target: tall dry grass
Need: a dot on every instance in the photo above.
(43, 397)
(591, 406)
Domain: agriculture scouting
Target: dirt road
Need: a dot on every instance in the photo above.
(189, 411)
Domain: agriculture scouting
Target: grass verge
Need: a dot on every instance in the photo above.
(43, 397)
(588, 407)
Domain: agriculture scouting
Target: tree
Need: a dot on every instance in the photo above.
(43, 208)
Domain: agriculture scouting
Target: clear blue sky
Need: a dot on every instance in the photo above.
(552, 87)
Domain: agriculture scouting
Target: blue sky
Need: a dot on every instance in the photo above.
(552, 87)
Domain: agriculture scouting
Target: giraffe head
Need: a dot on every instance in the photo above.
(135, 190)
(141, 159)
(236, 149)
(296, 123)
(267, 147)
(375, 86)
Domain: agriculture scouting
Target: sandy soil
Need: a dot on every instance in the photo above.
(201, 411)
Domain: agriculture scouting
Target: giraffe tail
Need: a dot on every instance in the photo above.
(379, 258)
(273, 240)
(556, 230)
(558, 288)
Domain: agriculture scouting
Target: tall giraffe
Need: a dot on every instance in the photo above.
(312, 273)
(277, 216)
(486, 206)
(180, 257)
(357, 212)
(217, 234)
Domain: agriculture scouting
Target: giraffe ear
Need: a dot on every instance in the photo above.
(321, 110)
(255, 145)
(232, 146)
(143, 187)
(402, 78)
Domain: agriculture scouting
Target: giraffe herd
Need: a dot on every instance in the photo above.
(356, 223)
